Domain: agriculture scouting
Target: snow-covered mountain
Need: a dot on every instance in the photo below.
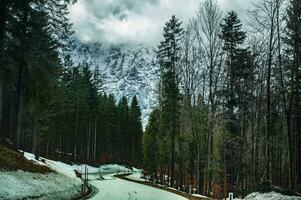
(126, 70)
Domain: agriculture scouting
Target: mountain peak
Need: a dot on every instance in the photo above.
(126, 70)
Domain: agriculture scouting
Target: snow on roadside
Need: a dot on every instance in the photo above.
(29, 156)
(25, 185)
(114, 168)
(270, 196)
(20, 185)
(103, 169)
(136, 175)
(200, 196)
(81, 168)
(57, 166)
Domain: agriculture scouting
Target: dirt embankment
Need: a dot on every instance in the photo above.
(11, 161)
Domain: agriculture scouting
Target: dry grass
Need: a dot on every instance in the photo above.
(11, 161)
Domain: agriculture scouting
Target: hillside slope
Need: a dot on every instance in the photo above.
(26, 178)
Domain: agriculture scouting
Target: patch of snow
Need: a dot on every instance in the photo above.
(81, 168)
(171, 188)
(58, 166)
(136, 169)
(29, 156)
(136, 175)
(270, 196)
(27, 185)
(20, 185)
(62, 168)
(103, 172)
(114, 168)
(103, 169)
(199, 196)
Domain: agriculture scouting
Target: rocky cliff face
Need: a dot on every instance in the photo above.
(126, 70)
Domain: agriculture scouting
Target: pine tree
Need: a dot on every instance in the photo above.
(136, 131)
(114, 131)
(123, 117)
(5, 5)
(150, 143)
(92, 102)
(232, 37)
(168, 56)
(28, 27)
(96, 89)
(292, 96)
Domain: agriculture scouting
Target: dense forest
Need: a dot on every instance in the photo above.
(51, 107)
(230, 111)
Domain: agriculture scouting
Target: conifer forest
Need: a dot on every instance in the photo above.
(221, 112)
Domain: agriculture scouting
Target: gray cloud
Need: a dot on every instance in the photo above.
(138, 21)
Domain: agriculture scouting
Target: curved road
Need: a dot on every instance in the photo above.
(112, 188)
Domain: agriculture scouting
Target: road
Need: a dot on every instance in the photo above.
(112, 188)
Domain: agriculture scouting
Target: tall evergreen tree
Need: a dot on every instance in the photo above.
(136, 131)
(150, 143)
(124, 116)
(232, 37)
(292, 89)
(168, 56)
(28, 24)
(114, 129)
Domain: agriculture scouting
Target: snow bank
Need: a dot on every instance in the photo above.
(29, 156)
(114, 168)
(200, 196)
(136, 175)
(62, 168)
(270, 196)
(57, 166)
(20, 185)
(103, 169)
(81, 168)
(26, 185)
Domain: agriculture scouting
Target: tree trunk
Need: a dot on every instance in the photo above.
(35, 128)
(95, 138)
(19, 110)
(133, 150)
(76, 133)
(88, 140)
(268, 102)
(21, 71)
(172, 169)
(181, 175)
(1, 98)
(3, 10)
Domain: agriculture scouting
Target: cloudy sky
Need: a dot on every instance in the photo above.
(135, 21)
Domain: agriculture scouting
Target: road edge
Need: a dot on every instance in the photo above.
(189, 197)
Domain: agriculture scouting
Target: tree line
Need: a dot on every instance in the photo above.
(229, 111)
(49, 105)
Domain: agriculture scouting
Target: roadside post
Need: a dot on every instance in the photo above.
(230, 196)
